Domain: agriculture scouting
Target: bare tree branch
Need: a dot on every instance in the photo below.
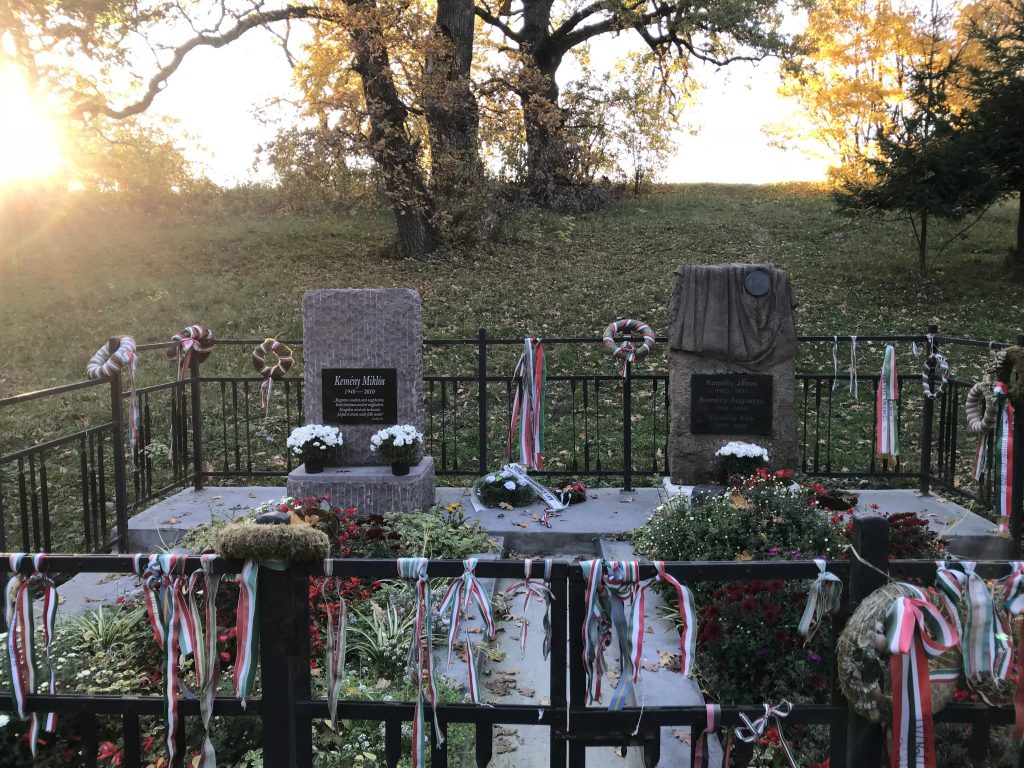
(494, 21)
(159, 80)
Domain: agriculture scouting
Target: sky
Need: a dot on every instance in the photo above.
(215, 94)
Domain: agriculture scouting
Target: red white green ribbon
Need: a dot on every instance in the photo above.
(201, 629)
(414, 571)
(455, 604)
(334, 661)
(687, 616)
(986, 649)
(702, 748)
(1003, 448)
(751, 731)
(530, 375)
(164, 590)
(823, 598)
(627, 351)
(915, 631)
(541, 591)
(951, 588)
(21, 640)
(853, 387)
(195, 340)
(1013, 602)
(887, 438)
(247, 631)
(597, 629)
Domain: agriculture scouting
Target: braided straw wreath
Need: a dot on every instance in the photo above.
(272, 347)
(104, 365)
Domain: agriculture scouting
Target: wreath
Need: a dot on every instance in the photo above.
(195, 340)
(627, 350)
(274, 370)
(104, 364)
(982, 408)
(863, 661)
(935, 360)
(1008, 367)
(570, 492)
(501, 488)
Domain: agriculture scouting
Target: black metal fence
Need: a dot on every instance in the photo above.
(287, 707)
(68, 492)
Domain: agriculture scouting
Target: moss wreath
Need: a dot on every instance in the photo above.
(864, 663)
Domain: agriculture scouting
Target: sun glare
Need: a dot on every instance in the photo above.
(30, 146)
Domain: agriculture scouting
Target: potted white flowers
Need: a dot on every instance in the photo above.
(315, 443)
(400, 445)
(741, 459)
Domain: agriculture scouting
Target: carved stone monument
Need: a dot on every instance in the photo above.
(363, 353)
(732, 349)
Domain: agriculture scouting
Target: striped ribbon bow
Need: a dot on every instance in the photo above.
(163, 591)
(751, 731)
(702, 746)
(334, 661)
(455, 604)
(597, 629)
(530, 375)
(21, 640)
(1013, 602)
(887, 438)
(414, 571)
(823, 598)
(196, 339)
(951, 588)
(915, 631)
(541, 591)
(625, 604)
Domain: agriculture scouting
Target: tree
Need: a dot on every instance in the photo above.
(538, 36)
(925, 167)
(995, 82)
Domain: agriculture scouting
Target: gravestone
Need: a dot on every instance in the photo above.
(363, 370)
(732, 350)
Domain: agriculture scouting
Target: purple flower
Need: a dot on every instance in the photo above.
(812, 656)
(762, 653)
(796, 554)
(773, 551)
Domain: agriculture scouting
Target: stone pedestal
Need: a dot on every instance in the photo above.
(371, 489)
(732, 349)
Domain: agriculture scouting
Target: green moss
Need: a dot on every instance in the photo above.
(289, 543)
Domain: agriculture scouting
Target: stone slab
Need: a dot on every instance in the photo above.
(363, 328)
(371, 489)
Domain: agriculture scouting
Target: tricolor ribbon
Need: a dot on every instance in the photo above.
(455, 604)
(21, 640)
(133, 406)
(751, 731)
(541, 591)
(201, 631)
(986, 648)
(162, 577)
(334, 661)
(196, 339)
(414, 571)
(702, 746)
(854, 390)
(835, 362)
(1013, 602)
(951, 589)
(597, 629)
(687, 616)
(625, 603)
(887, 438)
(1003, 447)
(530, 375)
(247, 631)
(915, 631)
(823, 598)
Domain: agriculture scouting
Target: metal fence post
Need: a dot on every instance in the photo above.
(927, 417)
(1017, 487)
(283, 607)
(627, 427)
(197, 424)
(481, 383)
(117, 440)
(868, 568)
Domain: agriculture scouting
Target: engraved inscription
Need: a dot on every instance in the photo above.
(360, 395)
(731, 404)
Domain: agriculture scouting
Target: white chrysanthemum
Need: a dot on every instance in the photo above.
(490, 478)
(510, 485)
(741, 450)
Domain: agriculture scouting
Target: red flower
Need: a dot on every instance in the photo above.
(770, 612)
(748, 605)
(784, 474)
(109, 751)
(771, 736)
(818, 681)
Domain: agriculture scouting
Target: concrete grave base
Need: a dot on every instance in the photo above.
(371, 489)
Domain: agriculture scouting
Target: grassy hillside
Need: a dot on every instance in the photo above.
(70, 279)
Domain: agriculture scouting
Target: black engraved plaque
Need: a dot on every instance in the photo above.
(730, 404)
(360, 395)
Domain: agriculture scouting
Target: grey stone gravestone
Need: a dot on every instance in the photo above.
(363, 363)
(732, 349)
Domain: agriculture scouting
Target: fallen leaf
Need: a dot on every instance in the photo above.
(648, 666)
(521, 525)
(508, 672)
(503, 745)
(683, 736)
(475, 630)
(501, 687)
(544, 701)
(506, 732)
(670, 661)
(526, 693)
(627, 500)
(505, 505)
(649, 629)
(172, 521)
(744, 556)
(382, 684)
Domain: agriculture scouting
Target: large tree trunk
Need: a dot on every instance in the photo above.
(1018, 254)
(451, 109)
(390, 145)
(547, 151)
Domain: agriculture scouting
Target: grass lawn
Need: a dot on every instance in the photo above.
(72, 277)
